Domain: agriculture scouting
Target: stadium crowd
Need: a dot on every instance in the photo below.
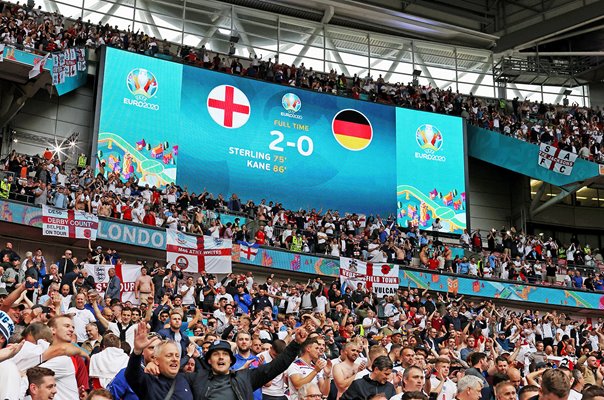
(503, 254)
(233, 337)
(236, 337)
(569, 127)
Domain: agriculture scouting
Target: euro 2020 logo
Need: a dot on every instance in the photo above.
(142, 83)
(429, 138)
(291, 102)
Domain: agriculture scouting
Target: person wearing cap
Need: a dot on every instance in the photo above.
(239, 385)
(3, 294)
(243, 300)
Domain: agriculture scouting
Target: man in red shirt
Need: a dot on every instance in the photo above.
(149, 218)
(260, 236)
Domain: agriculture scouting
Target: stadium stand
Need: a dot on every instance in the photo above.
(234, 337)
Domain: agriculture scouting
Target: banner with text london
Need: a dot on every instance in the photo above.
(164, 122)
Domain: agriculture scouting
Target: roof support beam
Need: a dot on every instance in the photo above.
(209, 33)
(397, 58)
(241, 31)
(327, 16)
(480, 78)
(148, 17)
(552, 27)
(425, 69)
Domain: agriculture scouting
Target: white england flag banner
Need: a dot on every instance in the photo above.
(69, 223)
(197, 254)
(128, 274)
(555, 159)
(381, 279)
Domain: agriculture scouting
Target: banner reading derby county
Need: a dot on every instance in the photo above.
(69, 223)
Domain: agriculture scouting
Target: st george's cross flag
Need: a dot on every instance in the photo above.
(228, 106)
(69, 223)
(198, 254)
(38, 66)
(555, 159)
(248, 251)
(381, 279)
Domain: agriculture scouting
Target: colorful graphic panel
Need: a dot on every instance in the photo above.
(139, 118)
(430, 170)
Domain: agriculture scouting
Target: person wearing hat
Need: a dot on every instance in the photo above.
(213, 374)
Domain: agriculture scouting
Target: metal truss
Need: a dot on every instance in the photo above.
(255, 30)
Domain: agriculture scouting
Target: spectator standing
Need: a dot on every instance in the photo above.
(114, 286)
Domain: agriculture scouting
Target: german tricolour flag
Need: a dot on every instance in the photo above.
(352, 130)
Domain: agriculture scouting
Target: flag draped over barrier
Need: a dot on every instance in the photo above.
(381, 279)
(69, 223)
(198, 253)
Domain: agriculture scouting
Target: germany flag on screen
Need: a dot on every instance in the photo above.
(352, 130)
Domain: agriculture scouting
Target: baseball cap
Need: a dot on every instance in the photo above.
(3, 292)
(80, 275)
(220, 345)
(7, 327)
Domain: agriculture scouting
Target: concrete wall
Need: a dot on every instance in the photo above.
(491, 190)
(44, 120)
(596, 94)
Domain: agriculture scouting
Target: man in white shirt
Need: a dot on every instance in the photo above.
(65, 372)
(187, 291)
(81, 317)
(322, 303)
(275, 389)
(138, 212)
(147, 194)
(309, 368)
(440, 383)
(370, 323)
(293, 302)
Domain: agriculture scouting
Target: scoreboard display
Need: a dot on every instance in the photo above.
(165, 122)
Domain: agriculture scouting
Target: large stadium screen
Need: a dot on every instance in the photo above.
(165, 122)
(431, 165)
